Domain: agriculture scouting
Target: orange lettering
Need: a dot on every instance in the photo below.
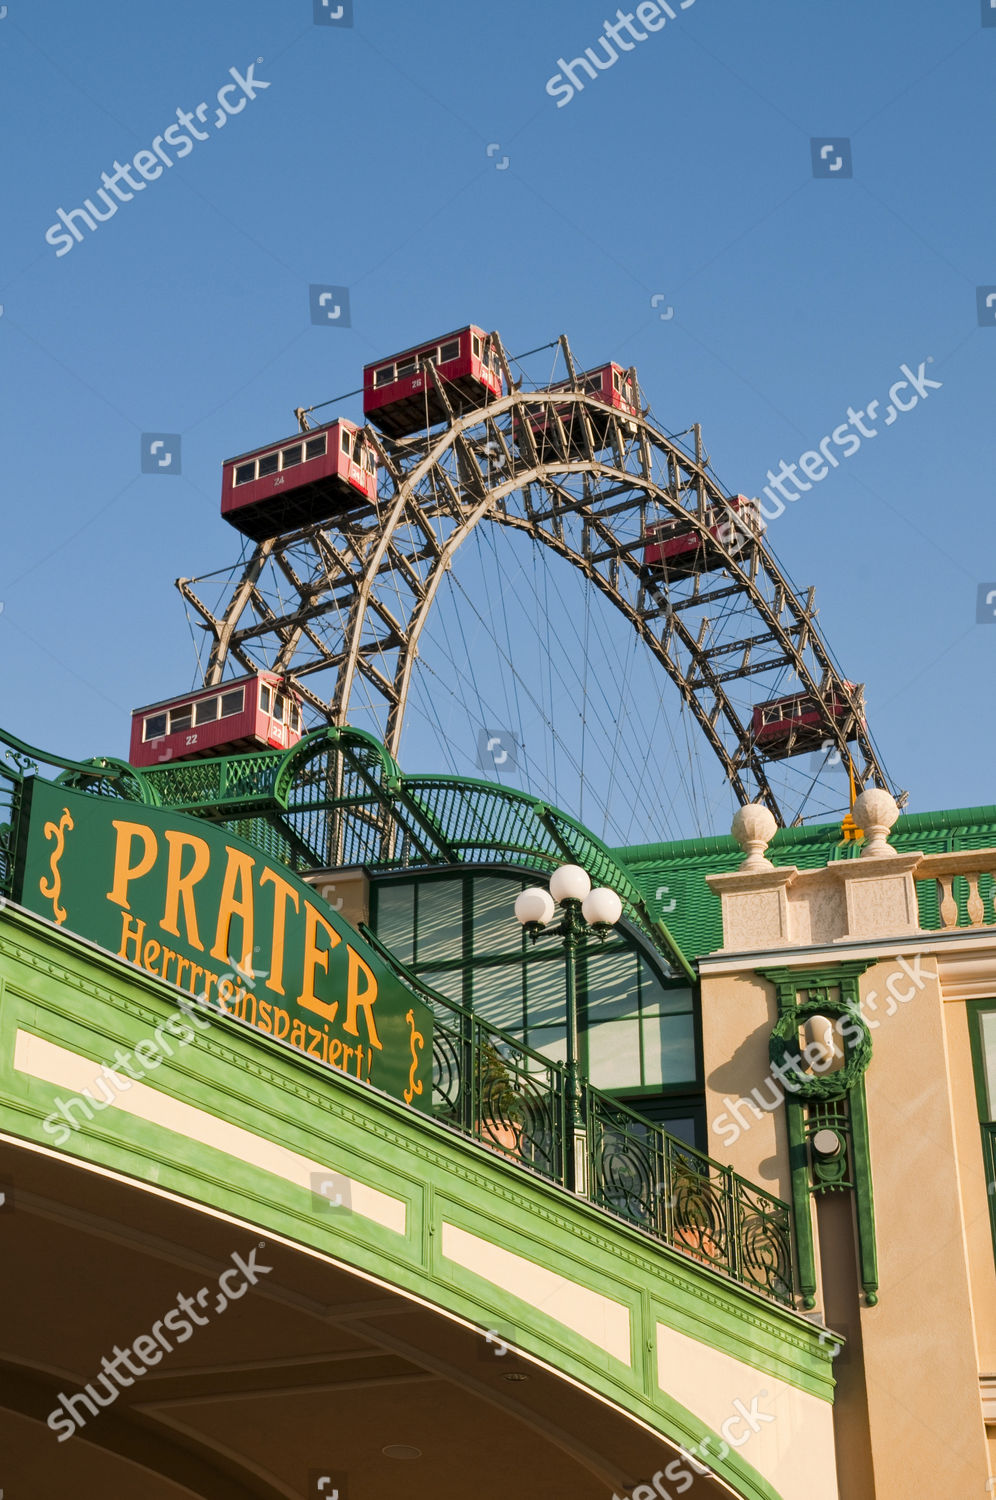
(315, 958)
(357, 999)
(179, 887)
(238, 871)
(282, 892)
(124, 872)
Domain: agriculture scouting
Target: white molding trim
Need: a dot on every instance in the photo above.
(52, 1064)
(939, 944)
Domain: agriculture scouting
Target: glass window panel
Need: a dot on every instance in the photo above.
(180, 718)
(278, 708)
(384, 375)
(206, 711)
(448, 982)
(268, 465)
(345, 440)
(231, 703)
(406, 367)
(668, 1049)
(396, 919)
(440, 920)
(546, 992)
(264, 698)
(668, 999)
(315, 447)
(614, 1055)
(245, 473)
(613, 988)
(449, 351)
(550, 1040)
(477, 346)
(496, 928)
(987, 1021)
(683, 1126)
(498, 995)
(291, 456)
(155, 727)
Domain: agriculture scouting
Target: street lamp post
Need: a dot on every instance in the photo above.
(583, 910)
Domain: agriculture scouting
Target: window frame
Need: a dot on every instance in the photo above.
(471, 964)
(975, 1009)
(205, 703)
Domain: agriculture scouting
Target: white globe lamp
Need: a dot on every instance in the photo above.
(534, 906)
(601, 907)
(569, 883)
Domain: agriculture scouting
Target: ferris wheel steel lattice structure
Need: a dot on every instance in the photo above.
(339, 607)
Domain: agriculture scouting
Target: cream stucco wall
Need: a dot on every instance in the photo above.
(921, 1366)
(920, 1351)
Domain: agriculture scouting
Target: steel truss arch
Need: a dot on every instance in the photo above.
(351, 598)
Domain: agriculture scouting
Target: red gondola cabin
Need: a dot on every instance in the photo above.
(679, 549)
(400, 396)
(250, 713)
(610, 384)
(312, 476)
(796, 724)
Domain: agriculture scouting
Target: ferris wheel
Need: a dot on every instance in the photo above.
(355, 531)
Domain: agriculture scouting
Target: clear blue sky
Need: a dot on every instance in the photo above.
(683, 170)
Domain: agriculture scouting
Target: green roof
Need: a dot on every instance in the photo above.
(675, 872)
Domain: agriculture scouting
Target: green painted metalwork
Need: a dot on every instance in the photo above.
(679, 1195)
(975, 1010)
(90, 1003)
(104, 777)
(832, 1101)
(338, 798)
(487, 1085)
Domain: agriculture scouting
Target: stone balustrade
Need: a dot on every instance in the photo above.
(973, 899)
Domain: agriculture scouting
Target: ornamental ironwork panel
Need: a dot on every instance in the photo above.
(490, 1087)
(684, 1198)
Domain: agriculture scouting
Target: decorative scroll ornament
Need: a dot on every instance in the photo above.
(52, 889)
(416, 1042)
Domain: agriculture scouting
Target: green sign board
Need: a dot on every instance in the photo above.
(189, 902)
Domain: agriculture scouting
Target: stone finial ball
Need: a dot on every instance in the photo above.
(875, 811)
(754, 823)
(753, 827)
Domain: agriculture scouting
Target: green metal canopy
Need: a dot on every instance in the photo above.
(339, 798)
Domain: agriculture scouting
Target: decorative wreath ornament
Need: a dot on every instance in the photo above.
(787, 1056)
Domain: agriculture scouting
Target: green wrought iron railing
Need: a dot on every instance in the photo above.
(488, 1086)
(681, 1196)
